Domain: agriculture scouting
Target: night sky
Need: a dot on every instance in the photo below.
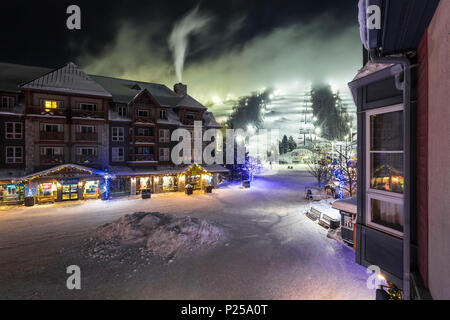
(238, 46)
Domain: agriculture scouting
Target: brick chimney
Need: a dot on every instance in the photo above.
(180, 89)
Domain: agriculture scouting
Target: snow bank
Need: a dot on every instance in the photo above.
(165, 236)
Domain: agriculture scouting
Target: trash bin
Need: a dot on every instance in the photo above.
(189, 190)
(29, 201)
(246, 184)
(209, 189)
(334, 224)
(146, 194)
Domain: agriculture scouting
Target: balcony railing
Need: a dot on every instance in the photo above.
(86, 136)
(144, 139)
(52, 159)
(52, 136)
(43, 111)
(142, 158)
(143, 119)
(87, 114)
(189, 122)
(87, 159)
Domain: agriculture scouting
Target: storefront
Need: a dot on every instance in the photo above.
(91, 189)
(11, 193)
(47, 192)
(69, 189)
(144, 183)
(67, 183)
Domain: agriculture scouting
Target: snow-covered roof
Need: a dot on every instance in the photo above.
(189, 102)
(53, 170)
(172, 118)
(371, 68)
(124, 91)
(162, 170)
(209, 121)
(12, 75)
(68, 79)
(9, 174)
(347, 205)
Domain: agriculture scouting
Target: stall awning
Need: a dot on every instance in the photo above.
(129, 172)
(347, 205)
(64, 169)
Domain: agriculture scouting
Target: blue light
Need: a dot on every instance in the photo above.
(107, 177)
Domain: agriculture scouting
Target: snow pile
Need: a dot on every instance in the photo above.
(165, 236)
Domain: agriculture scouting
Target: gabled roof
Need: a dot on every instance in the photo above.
(124, 91)
(55, 170)
(210, 121)
(71, 79)
(13, 75)
(172, 118)
(68, 79)
(189, 102)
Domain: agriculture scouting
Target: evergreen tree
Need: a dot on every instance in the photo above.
(331, 117)
(284, 145)
(248, 111)
(292, 144)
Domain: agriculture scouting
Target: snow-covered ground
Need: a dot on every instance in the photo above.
(273, 250)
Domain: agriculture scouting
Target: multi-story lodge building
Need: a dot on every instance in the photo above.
(67, 135)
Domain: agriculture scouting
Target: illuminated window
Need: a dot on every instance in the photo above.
(51, 105)
(385, 169)
(164, 136)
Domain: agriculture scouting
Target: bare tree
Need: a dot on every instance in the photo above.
(320, 167)
(346, 161)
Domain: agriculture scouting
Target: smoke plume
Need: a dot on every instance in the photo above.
(191, 24)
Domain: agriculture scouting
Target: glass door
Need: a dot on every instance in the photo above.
(70, 192)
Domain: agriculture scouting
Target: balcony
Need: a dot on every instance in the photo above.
(144, 139)
(51, 136)
(52, 159)
(50, 112)
(86, 136)
(189, 122)
(142, 158)
(88, 114)
(87, 159)
(141, 119)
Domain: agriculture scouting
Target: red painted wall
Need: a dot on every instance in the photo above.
(422, 158)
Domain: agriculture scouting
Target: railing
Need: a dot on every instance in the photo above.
(87, 114)
(53, 136)
(142, 158)
(189, 122)
(86, 136)
(144, 139)
(51, 159)
(143, 119)
(44, 111)
(87, 159)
